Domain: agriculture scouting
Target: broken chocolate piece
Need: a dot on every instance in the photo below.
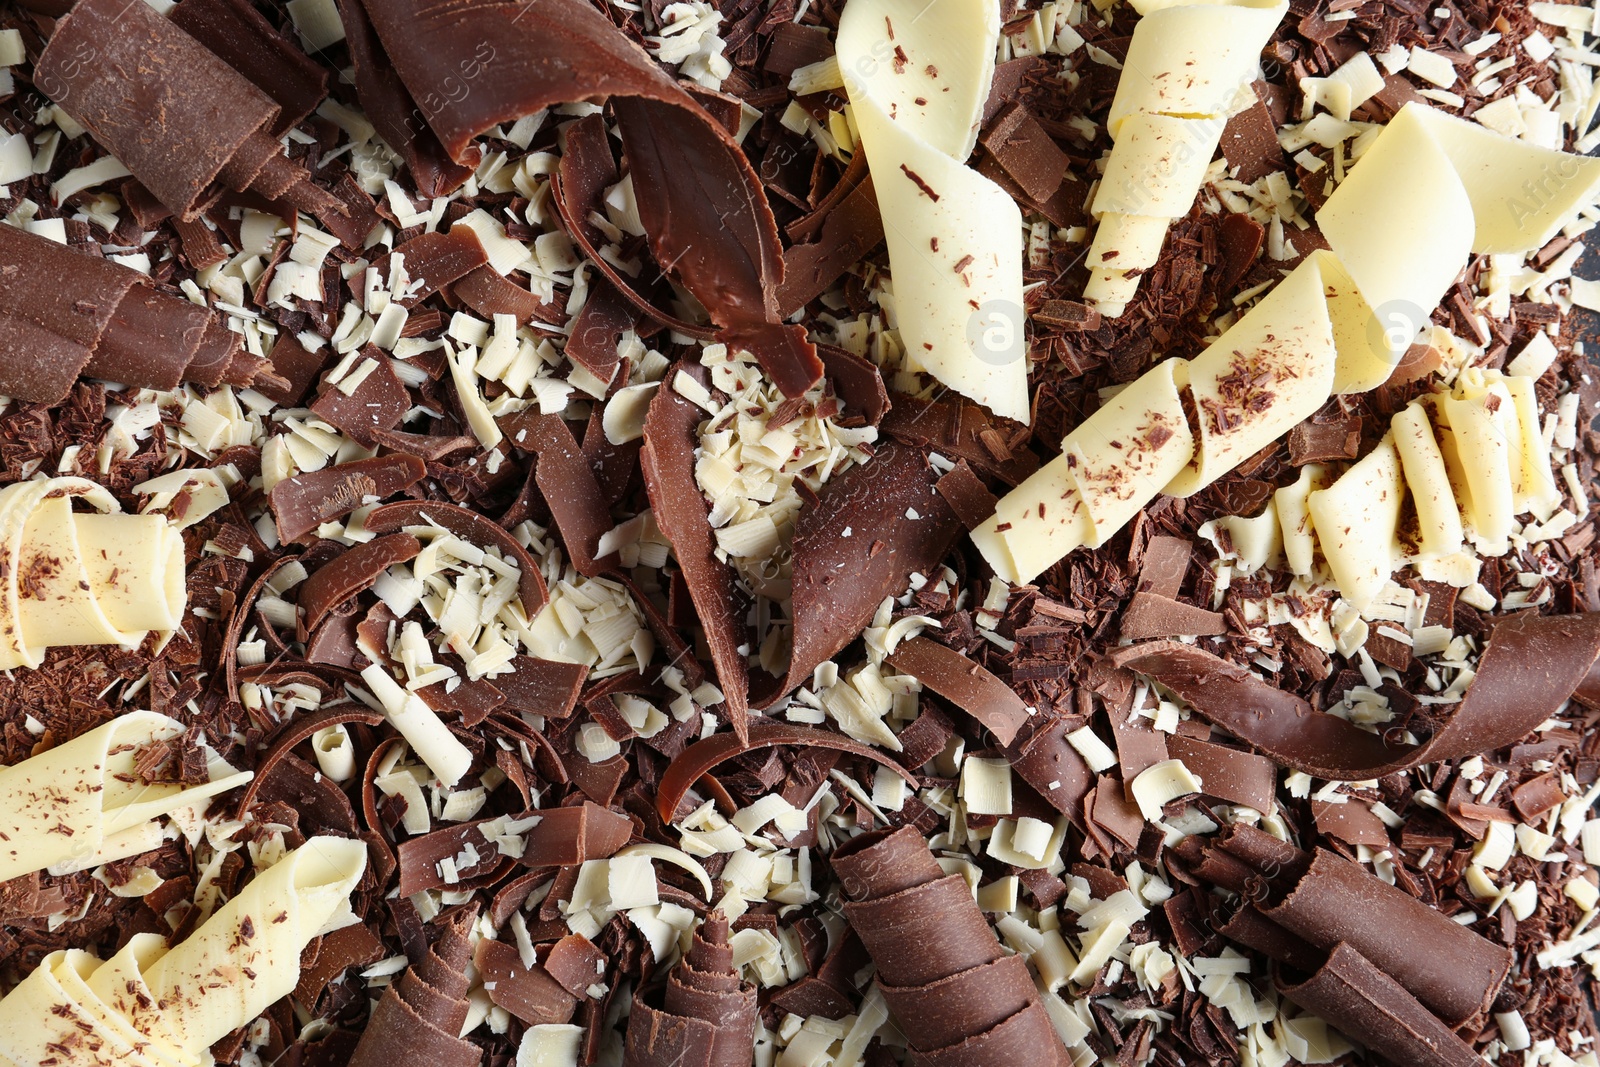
(567, 482)
(965, 684)
(352, 571)
(306, 501)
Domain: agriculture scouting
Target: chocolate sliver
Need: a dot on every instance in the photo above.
(1153, 615)
(573, 835)
(164, 104)
(529, 993)
(435, 260)
(490, 293)
(671, 439)
(567, 482)
(306, 501)
(298, 730)
(702, 756)
(871, 528)
(1351, 822)
(1454, 971)
(474, 529)
(297, 365)
(576, 963)
(378, 402)
(1027, 154)
(959, 429)
(1046, 760)
(833, 238)
(1531, 666)
(352, 571)
(965, 684)
(392, 112)
(220, 358)
(1374, 1010)
(473, 701)
(243, 38)
(857, 382)
(420, 859)
(1026, 1037)
(1229, 774)
(542, 686)
(332, 955)
(1165, 565)
(597, 328)
(947, 1012)
(1250, 144)
(967, 496)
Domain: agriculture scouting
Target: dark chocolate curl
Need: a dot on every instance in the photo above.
(1532, 665)
(469, 68)
(242, 37)
(1370, 1007)
(967, 685)
(418, 1017)
(707, 1017)
(186, 123)
(64, 314)
(958, 997)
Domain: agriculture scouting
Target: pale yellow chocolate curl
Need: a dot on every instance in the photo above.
(74, 578)
(73, 804)
(917, 75)
(1189, 68)
(149, 1007)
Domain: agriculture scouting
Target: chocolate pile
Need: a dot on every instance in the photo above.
(565, 521)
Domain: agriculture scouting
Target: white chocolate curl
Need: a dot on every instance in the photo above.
(1189, 68)
(72, 578)
(1338, 323)
(151, 1007)
(917, 76)
(80, 804)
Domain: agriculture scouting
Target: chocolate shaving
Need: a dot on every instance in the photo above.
(967, 496)
(330, 955)
(304, 502)
(473, 529)
(418, 1017)
(542, 686)
(241, 36)
(1229, 774)
(1324, 442)
(858, 383)
(1250, 144)
(568, 836)
(1153, 615)
(352, 571)
(838, 234)
(707, 1016)
(1530, 668)
(65, 314)
(434, 260)
(1026, 152)
(959, 998)
(568, 485)
(378, 402)
(529, 993)
(490, 293)
(186, 123)
(965, 684)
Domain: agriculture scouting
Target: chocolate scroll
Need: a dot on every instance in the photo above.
(958, 997)
(66, 314)
(707, 1017)
(1532, 666)
(186, 123)
(419, 1017)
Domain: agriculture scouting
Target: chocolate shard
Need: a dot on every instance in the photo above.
(376, 403)
(704, 211)
(1025, 152)
(186, 123)
(1044, 759)
(568, 836)
(568, 484)
(331, 955)
(1229, 774)
(671, 439)
(529, 993)
(958, 997)
(1532, 665)
(576, 963)
(708, 1015)
(490, 293)
(473, 528)
(967, 496)
(857, 382)
(1153, 615)
(1250, 144)
(419, 1017)
(350, 572)
(306, 501)
(542, 686)
(841, 231)
(65, 314)
(965, 684)
(434, 260)
(1323, 442)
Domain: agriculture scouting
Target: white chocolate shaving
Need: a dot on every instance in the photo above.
(68, 578)
(68, 802)
(1189, 67)
(150, 1007)
(917, 76)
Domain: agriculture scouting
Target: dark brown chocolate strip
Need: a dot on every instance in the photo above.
(542, 686)
(185, 122)
(1048, 762)
(418, 1018)
(702, 205)
(702, 756)
(857, 382)
(306, 501)
(298, 730)
(529, 993)
(242, 37)
(64, 314)
(1153, 615)
(1373, 1009)
(572, 835)
(949, 985)
(703, 988)
(967, 685)
(377, 403)
(1532, 665)
(330, 955)
(667, 459)
(352, 571)
(420, 858)
(474, 529)
(596, 329)
(1229, 774)
(490, 293)
(566, 480)
(436, 260)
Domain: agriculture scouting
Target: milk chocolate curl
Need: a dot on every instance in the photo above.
(707, 1017)
(1532, 665)
(958, 997)
(419, 1017)
(64, 314)
(175, 113)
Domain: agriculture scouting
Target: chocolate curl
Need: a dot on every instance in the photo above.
(188, 125)
(471, 68)
(66, 315)
(708, 1016)
(419, 1017)
(958, 997)
(1532, 665)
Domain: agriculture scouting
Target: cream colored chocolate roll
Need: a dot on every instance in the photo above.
(73, 804)
(73, 578)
